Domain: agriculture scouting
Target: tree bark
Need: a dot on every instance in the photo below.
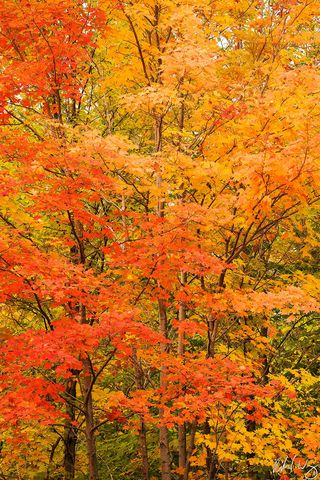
(138, 373)
(87, 377)
(212, 332)
(211, 460)
(86, 387)
(70, 434)
(190, 449)
(163, 429)
(144, 450)
(163, 326)
(182, 428)
(89, 418)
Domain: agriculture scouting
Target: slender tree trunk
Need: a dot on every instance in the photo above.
(70, 434)
(144, 450)
(212, 335)
(190, 449)
(87, 386)
(53, 450)
(211, 460)
(87, 377)
(212, 470)
(163, 429)
(212, 331)
(182, 317)
(164, 453)
(251, 425)
(163, 327)
(182, 438)
(138, 373)
(89, 417)
(182, 428)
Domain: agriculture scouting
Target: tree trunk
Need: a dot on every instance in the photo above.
(144, 450)
(70, 434)
(182, 428)
(163, 429)
(53, 449)
(87, 378)
(163, 326)
(138, 373)
(212, 332)
(211, 460)
(182, 438)
(89, 417)
(190, 449)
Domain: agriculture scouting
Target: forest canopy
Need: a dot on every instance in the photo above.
(159, 239)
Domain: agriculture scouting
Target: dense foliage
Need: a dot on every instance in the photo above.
(159, 239)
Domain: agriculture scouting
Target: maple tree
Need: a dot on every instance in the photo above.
(159, 240)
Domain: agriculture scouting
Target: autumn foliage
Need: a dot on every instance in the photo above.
(159, 245)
